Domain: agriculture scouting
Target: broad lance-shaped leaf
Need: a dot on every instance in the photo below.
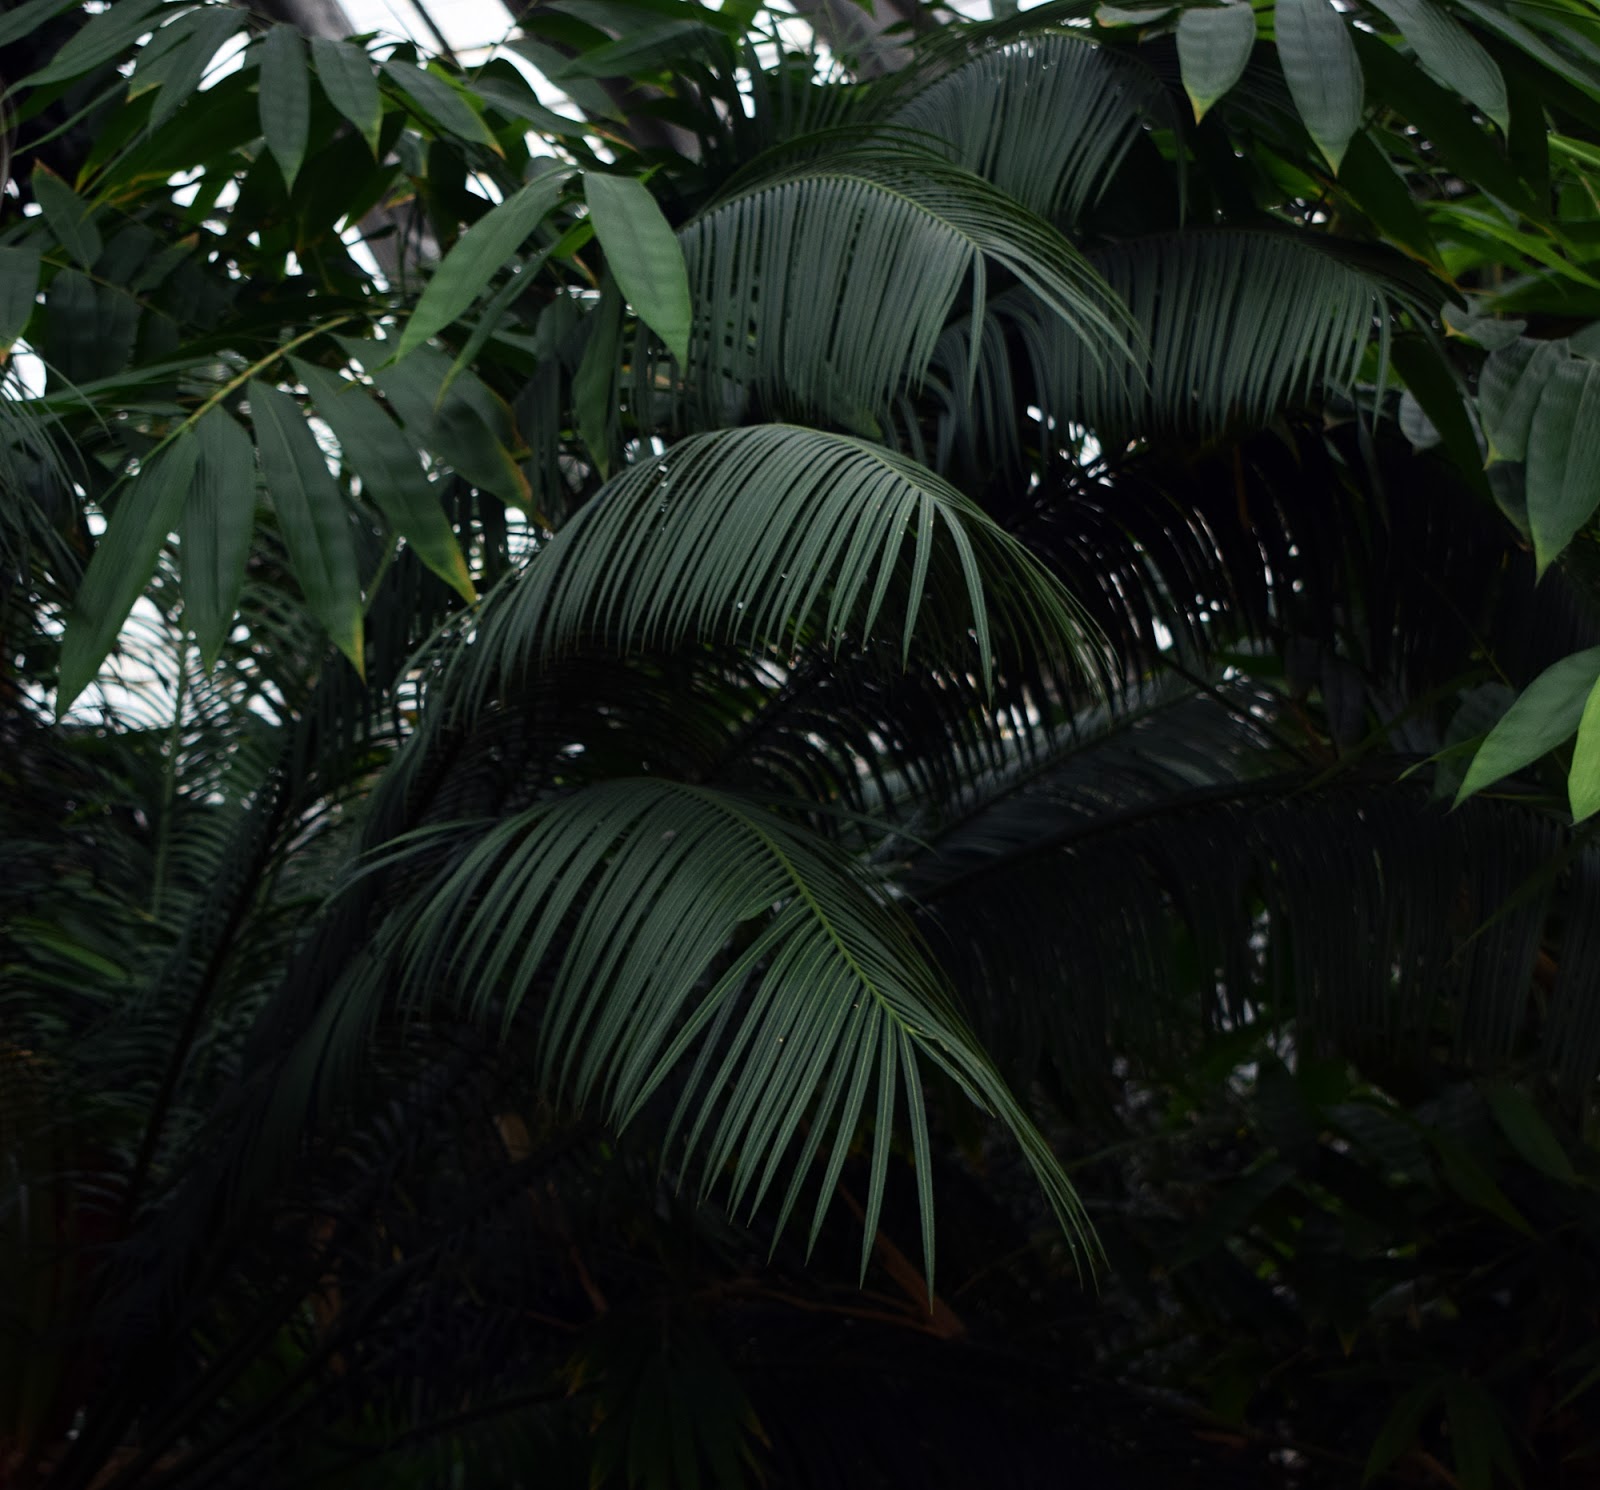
(467, 426)
(441, 103)
(1530, 1134)
(643, 255)
(618, 903)
(1563, 470)
(770, 533)
(1583, 781)
(214, 536)
(22, 19)
(1546, 713)
(1214, 43)
(103, 37)
(19, 289)
(285, 99)
(1509, 389)
(483, 250)
(386, 460)
(124, 559)
(311, 513)
(346, 74)
(68, 216)
(1449, 53)
(1323, 72)
(194, 40)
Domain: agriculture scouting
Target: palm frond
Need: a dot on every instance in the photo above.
(1046, 118)
(775, 536)
(652, 919)
(1239, 324)
(825, 291)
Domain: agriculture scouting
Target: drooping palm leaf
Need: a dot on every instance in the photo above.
(1239, 324)
(652, 920)
(773, 534)
(825, 290)
(1046, 118)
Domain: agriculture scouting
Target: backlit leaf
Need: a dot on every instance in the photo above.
(1545, 714)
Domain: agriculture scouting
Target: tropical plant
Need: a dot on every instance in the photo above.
(601, 711)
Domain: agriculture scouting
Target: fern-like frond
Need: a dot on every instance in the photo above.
(653, 919)
(1046, 118)
(776, 535)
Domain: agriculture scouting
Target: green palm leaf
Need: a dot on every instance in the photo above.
(665, 919)
(774, 534)
(1047, 119)
(827, 290)
(1240, 324)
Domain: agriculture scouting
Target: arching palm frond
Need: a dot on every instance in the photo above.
(1239, 324)
(1201, 867)
(1047, 118)
(773, 535)
(825, 291)
(652, 919)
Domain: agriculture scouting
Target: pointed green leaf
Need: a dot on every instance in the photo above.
(440, 102)
(1583, 781)
(26, 18)
(285, 99)
(124, 559)
(69, 217)
(311, 513)
(1214, 43)
(196, 38)
(105, 36)
(1563, 472)
(345, 72)
(483, 250)
(1399, 1430)
(1449, 53)
(1509, 389)
(1547, 712)
(378, 450)
(19, 290)
(1124, 15)
(1529, 1133)
(1323, 72)
(643, 255)
(594, 384)
(214, 535)
(1474, 1184)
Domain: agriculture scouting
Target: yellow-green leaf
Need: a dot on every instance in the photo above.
(1546, 713)
(1583, 781)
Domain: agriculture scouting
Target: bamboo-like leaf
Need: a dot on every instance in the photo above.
(285, 99)
(1546, 713)
(622, 901)
(311, 513)
(1214, 43)
(1047, 119)
(103, 37)
(1563, 471)
(69, 217)
(19, 290)
(1583, 781)
(1449, 53)
(439, 102)
(467, 426)
(346, 75)
(483, 250)
(123, 561)
(594, 385)
(772, 533)
(1529, 1133)
(390, 471)
(214, 534)
(191, 42)
(23, 19)
(1323, 72)
(643, 256)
